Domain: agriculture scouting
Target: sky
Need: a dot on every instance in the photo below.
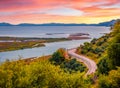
(58, 11)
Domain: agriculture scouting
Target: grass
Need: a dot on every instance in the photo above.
(8, 46)
(23, 43)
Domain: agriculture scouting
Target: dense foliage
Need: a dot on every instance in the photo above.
(68, 64)
(114, 51)
(58, 57)
(103, 66)
(106, 52)
(110, 81)
(95, 48)
(72, 66)
(39, 74)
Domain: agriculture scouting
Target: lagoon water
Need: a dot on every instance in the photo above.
(47, 32)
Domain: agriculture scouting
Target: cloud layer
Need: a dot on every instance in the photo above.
(63, 11)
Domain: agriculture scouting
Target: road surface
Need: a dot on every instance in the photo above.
(91, 65)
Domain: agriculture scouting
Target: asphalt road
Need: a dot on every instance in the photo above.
(91, 65)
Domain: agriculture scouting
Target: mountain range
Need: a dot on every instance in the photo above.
(108, 23)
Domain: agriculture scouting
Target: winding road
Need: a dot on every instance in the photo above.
(91, 65)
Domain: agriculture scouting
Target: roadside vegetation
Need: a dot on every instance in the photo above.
(95, 48)
(44, 73)
(15, 43)
(106, 52)
(66, 63)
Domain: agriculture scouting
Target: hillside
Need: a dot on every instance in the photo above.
(106, 52)
(57, 71)
(95, 48)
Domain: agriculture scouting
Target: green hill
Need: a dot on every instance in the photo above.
(106, 52)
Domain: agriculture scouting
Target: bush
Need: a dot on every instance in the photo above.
(114, 54)
(73, 65)
(103, 67)
(40, 74)
(94, 41)
(104, 82)
(58, 57)
(110, 81)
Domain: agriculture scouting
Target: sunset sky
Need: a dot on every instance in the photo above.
(58, 11)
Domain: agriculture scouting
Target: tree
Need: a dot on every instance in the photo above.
(38, 74)
(114, 54)
(116, 28)
(110, 81)
(58, 57)
(104, 82)
(93, 41)
(103, 67)
(114, 49)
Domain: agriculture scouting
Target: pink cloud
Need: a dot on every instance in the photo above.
(30, 10)
(25, 5)
(96, 8)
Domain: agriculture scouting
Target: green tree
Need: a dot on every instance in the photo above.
(58, 57)
(114, 54)
(104, 82)
(114, 48)
(114, 51)
(116, 28)
(110, 81)
(38, 74)
(103, 67)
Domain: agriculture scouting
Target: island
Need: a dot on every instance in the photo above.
(16, 43)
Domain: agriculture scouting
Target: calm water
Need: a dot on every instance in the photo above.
(43, 31)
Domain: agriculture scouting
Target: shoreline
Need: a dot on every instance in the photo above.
(19, 43)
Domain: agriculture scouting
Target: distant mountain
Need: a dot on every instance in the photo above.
(108, 23)
(5, 24)
(51, 24)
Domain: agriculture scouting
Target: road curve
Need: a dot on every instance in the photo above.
(91, 65)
